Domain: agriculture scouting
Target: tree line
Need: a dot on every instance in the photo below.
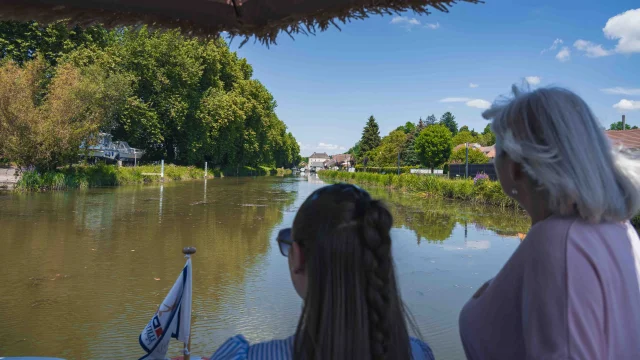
(426, 143)
(182, 99)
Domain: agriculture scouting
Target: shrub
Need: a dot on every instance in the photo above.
(479, 190)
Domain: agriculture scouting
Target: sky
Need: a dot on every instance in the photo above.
(399, 68)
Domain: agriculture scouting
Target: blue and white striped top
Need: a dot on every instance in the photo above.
(238, 348)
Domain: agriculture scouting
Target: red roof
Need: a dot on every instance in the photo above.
(629, 139)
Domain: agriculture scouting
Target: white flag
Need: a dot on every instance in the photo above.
(172, 319)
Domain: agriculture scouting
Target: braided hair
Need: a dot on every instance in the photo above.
(352, 308)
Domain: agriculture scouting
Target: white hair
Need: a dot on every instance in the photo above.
(554, 135)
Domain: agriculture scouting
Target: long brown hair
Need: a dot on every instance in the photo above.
(352, 308)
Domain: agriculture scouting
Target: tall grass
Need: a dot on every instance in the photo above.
(482, 192)
(86, 176)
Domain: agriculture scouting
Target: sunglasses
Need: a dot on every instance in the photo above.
(284, 241)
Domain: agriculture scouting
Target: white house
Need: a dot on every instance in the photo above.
(318, 158)
(317, 161)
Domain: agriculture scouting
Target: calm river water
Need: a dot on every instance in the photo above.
(84, 271)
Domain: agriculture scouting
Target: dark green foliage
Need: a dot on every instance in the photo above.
(370, 136)
(449, 121)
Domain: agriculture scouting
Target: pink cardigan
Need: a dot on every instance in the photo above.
(570, 291)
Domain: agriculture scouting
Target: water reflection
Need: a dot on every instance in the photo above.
(84, 270)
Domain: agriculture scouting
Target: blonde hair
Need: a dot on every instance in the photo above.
(562, 147)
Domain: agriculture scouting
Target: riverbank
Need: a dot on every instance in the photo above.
(90, 176)
(485, 192)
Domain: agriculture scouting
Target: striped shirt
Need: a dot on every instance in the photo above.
(238, 348)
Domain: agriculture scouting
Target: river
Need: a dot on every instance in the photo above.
(84, 271)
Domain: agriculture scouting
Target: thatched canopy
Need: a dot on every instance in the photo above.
(263, 19)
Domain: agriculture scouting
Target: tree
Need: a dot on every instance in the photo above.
(355, 150)
(391, 146)
(44, 123)
(434, 145)
(475, 156)
(407, 128)
(449, 121)
(431, 120)
(409, 156)
(487, 138)
(464, 137)
(463, 128)
(618, 126)
(370, 136)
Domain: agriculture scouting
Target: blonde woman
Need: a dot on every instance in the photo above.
(571, 289)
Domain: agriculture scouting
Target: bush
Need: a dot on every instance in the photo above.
(86, 176)
(481, 190)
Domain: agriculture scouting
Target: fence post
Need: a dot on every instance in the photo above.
(162, 170)
(466, 161)
(205, 169)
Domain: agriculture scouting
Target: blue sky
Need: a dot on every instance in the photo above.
(402, 68)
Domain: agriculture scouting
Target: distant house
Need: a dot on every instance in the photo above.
(343, 160)
(489, 151)
(317, 161)
(628, 139)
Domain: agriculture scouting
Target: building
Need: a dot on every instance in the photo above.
(343, 160)
(628, 139)
(318, 158)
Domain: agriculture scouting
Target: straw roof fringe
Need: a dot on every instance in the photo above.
(264, 19)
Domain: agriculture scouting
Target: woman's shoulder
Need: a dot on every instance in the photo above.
(238, 348)
(420, 350)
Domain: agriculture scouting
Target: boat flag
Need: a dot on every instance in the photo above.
(172, 319)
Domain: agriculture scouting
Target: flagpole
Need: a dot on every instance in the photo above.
(188, 251)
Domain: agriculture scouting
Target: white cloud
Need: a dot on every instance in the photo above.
(625, 104)
(621, 91)
(564, 54)
(325, 146)
(405, 21)
(454, 99)
(533, 80)
(472, 85)
(476, 103)
(625, 28)
(479, 103)
(433, 26)
(591, 49)
(556, 43)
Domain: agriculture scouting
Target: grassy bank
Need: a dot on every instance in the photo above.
(88, 176)
(482, 192)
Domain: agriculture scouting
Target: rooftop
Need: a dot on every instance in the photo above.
(629, 139)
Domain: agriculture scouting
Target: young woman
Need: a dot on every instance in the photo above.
(571, 289)
(339, 253)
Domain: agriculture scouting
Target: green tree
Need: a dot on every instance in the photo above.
(449, 121)
(487, 138)
(370, 136)
(433, 145)
(409, 156)
(464, 137)
(618, 126)
(431, 120)
(44, 123)
(355, 150)
(475, 156)
(390, 148)
(407, 128)
(463, 128)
